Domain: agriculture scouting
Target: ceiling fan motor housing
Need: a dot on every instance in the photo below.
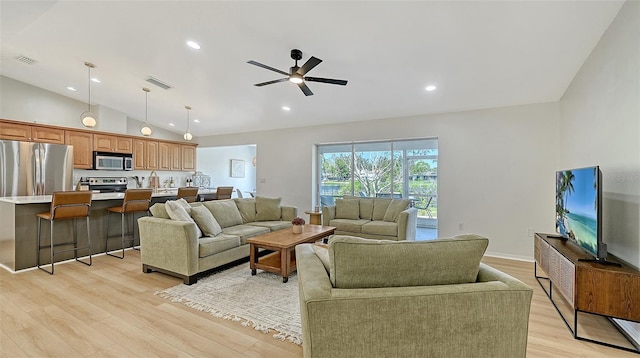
(296, 54)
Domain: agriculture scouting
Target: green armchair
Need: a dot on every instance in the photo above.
(380, 298)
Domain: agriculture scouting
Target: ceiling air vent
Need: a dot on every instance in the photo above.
(159, 83)
(25, 59)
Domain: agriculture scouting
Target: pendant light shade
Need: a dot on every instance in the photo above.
(187, 134)
(145, 129)
(87, 117)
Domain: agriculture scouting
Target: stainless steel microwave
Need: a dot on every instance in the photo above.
(112, 161)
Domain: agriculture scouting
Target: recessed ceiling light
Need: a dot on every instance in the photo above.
(196, 120)
(171, 124)
(430, 88)
(194, 45)
(285, 108)
(95, 80)
(72, 89)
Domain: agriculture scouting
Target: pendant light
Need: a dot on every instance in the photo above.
(187, 135)
(87, 117)
(145, 129)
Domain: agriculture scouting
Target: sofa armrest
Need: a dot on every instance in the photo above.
(328, 214)
(407, 221)
(288, 213)
(169, 245)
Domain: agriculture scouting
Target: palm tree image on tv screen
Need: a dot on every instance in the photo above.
(577, 206)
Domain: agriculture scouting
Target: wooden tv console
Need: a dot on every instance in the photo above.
(605, 290)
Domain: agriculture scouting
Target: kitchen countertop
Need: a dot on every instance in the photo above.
(39, 199)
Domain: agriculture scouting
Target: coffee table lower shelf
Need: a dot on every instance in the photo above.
(271, 263)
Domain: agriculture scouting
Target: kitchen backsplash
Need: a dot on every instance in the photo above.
(179, 178)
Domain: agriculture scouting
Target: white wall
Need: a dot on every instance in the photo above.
(496, 167)
(216, 163)
(600, 125)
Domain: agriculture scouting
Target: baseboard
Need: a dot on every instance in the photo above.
(509, 257)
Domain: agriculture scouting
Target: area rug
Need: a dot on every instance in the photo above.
(263, 301)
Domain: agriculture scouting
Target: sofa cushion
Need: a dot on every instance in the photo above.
(177, 212)
(349, 225)
(365, 263)
(245, 231)
(267, 209)
(205, 221)
(225, 211)
(159, 211)
(208, 246)
(272, 225)
(322, 252)
(247, 209)
(384, 228)
(348, 209)
(380, 208)
(366, 208)
(395, 208)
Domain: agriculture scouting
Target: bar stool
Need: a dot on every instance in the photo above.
(66, 205)
(224, 192)
(135, 200)
(190, 194)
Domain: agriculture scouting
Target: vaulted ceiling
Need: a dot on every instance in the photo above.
(479, 54)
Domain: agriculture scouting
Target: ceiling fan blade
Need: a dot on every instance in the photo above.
(271, 82)
(305, 89)
(309, 65)
(326, 80)
(268, 67)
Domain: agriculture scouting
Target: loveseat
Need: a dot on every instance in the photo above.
(380, 298)
(372, 218)
(204, 235)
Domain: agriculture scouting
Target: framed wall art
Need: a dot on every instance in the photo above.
(237, 168)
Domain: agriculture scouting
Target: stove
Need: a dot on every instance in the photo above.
(106, 184)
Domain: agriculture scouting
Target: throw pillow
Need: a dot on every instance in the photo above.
(366, 208)
(225, 211)
(205, 221)
(247, 208)
(395, 208)
(267, 209)
(177, 212)
(380, 208)
(184, 204)
(348, 209)
(159, 211)
(366, 263)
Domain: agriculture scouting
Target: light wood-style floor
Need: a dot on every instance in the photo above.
(109, 309)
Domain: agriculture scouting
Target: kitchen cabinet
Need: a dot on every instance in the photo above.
(82, 143)
(111, 143)
(175, 151)
(188, 157)
(145, 154)
(164, 156)
(31, 133)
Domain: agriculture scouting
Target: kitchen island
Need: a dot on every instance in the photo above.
(19, 227)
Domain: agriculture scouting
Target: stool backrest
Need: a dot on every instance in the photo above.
(224, 192)
(70, 204)
(136, 200)
(190, 194)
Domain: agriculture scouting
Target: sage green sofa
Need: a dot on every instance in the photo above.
(207, 238)
(372, 218)
(381, 298)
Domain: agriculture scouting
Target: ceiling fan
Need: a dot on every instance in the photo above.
(297, 74)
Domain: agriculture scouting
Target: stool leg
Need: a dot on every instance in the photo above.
(88, 243)
(133, 233)
(122, 221)
(106, 234)
(75, 239)
(38, 241)
(51, 247)
(106, 250)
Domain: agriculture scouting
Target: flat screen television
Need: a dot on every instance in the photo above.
(579, 209)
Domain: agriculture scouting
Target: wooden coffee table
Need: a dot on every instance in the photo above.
(283, 243)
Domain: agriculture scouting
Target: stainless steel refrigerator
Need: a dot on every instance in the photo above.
(28, 168)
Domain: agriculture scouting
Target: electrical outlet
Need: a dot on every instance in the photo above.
(529, 232)
(460, 226)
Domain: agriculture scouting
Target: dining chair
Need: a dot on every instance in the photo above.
(239, 192)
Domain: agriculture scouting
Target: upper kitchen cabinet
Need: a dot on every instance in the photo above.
(145, 154)
(188, 157)
(82, 143)
(31, 133)
(175, 151)
(111, 143)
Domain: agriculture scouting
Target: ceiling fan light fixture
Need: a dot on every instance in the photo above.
(187, 135)
(145, 129)
(87, 117)
(296, 78)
